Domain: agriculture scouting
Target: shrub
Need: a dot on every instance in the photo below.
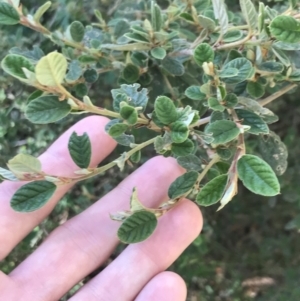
(219, 70)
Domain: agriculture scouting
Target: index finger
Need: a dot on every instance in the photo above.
(14, 226)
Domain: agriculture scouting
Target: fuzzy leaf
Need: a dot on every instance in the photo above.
(243, 65)
(212, 192)
(230, 101)
(183, 149)
(255, 89)
(223, 131)
(137, 227)
(165, 110)
(51, 69)
(75, 71)
(215, 105)
(131, 73)
(80, 149)
(41, 11)
(90, 75)
(156, 17)
(13, 64)
(249, 13)
(221, 14)
(129, 114)
(22, 164)
(32, 196)
(117, 129)
(47, 109)
(204, 53)
(285, 29)
(7, 175)
(158, 53)
(8, 14)
(257, 176)
(183, 184)
(207, 23)
(77, 31)
(194, 93)
(179, 132)
(258, 126)
(190, 162)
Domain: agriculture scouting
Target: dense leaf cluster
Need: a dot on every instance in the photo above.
(194, 73)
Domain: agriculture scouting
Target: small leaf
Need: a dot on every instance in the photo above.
(228, 72)
(118, 129)
(207, 23)
(156, 17)
(158, 53)
(136, 157)
(32, 196)
(194, 92)
(230, 101)
(243, 65)
(270, 67)
(80, 149)
(285, 29)
(258, 126)
(212, 192)
(223, 131)
(232, 36)
(90, 75)
(221, 14)
(22, 164)
(165, 110)
(81, 90)
(121, 28)
(183, 149)
(41, 11)
(77, 31)
(13, 65)
(183, 184)
(215, 105)
(129, 114)
(190, 162)
(75, 71)
(8, 14)
(47, 109)
(131, 73)
(249, 13)
(179, 132)
(204, 53)
(172, 66)
(255, 89)
(51, 69)
(257, 176)
(137, 227)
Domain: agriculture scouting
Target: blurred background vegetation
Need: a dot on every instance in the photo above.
(248, 251)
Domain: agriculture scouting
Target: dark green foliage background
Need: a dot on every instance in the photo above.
(253, 236)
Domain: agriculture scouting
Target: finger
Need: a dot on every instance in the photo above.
(56, 160)
(141, 262)
(83, 243)
(165, 286)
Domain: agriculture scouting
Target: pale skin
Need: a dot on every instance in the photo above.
(85, 242)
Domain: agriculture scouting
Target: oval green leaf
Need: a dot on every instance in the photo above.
(212, 192)
(51, 69)
(8, 14)
(179, 132)
(80, 149)
(204, 53)
(223, 131)
(47, 109)
(165, 110)
(183, 184)
(137, 227)
(285, 29)
(257, 176)
(32, 196)
(77, 31)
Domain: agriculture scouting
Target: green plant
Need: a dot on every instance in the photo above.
(209, 59)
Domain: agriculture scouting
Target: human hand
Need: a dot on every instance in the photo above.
(85, 242)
